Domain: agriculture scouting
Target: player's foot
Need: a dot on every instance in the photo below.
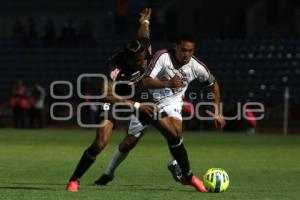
(104, 179)
(73, 186)
(196, 182)
(175, 171)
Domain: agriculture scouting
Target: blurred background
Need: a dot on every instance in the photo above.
(252, 47)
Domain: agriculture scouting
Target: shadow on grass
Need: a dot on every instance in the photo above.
(156, 189)
(119, 188)
(145, 188)
(30, 186)
(31, 183)
(25, 188)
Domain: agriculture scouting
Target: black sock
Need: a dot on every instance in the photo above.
(87, 159)
(179, 153)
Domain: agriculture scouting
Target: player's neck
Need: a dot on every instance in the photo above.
(176, 63)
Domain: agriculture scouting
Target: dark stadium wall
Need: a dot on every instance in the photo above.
(100, 15)
(213, 18)
(206, 18)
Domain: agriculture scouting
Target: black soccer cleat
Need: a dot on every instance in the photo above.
(175, 171)
(104, 179)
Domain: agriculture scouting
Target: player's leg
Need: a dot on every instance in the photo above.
(174, 111)
(89, 155)
(119, 155)
(171, 128)
(135, 130)
(174, 168)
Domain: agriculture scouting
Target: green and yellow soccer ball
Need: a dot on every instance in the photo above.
(216, 180)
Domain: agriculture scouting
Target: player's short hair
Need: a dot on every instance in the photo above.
(134, 47)
(185, 38)
(130, 51)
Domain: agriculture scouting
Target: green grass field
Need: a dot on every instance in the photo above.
(36, 164)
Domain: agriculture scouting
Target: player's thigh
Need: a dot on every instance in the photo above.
(177, 125)
(171, 120)
(167, 128)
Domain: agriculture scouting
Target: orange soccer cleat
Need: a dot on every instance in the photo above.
(73, 186)
(196, 182)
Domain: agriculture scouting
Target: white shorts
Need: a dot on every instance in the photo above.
(135, 127)
(174, 109)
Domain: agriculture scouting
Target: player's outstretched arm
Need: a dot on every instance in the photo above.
(219, 120)
(144, 30)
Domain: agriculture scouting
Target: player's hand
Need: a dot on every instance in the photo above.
(219, 122)
(149, 108)
(175, 82)
(145, 15)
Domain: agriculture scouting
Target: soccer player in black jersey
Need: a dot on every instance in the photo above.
(128, 67)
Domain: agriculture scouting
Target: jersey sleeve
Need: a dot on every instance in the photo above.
(112, 73)
(156, 64)
(203, 73)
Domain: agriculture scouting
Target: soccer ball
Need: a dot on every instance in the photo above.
(216, 180)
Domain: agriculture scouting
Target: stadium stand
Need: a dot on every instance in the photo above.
(249, 69)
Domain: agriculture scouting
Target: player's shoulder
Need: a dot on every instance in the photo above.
(197, 63)
(159, 53)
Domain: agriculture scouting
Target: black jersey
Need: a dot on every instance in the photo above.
(119, 71)
(132, 77)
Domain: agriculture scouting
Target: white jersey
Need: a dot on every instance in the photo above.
(163, 67)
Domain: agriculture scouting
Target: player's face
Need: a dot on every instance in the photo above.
(184, 52)
(138, 61)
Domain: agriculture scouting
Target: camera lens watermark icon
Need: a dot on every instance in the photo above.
(56, 84)
(58, 105)
(102, 77)
(103, 115)
(67, 87)
(125, 84)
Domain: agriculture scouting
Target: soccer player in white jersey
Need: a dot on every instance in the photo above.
(167, 78)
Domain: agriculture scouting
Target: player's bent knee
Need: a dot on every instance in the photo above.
(175, 142)
(177, 127)
(100, 144)
(128, 143)
(177, 131)
(103, 134)
(94, 150)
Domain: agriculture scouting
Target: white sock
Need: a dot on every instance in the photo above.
(117, 158)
